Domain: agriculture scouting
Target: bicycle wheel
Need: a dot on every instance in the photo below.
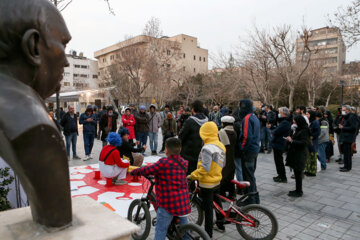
(197, 215)
(192, 231)
(143, 219)
(266, 224)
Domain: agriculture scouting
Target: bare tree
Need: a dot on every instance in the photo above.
(152, 28)
(62, 4)
(348, 20)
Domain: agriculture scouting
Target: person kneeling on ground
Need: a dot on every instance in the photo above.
(171, 187)
(208, 173)
(127, 150)
(110, 163)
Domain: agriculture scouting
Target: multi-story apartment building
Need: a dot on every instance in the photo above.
(327, 48)
(81, 74)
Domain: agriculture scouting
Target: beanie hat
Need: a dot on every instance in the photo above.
(142, 107)
(228, 119)
(114, 139)
(123, 131)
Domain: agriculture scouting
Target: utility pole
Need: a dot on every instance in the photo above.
(342, 91)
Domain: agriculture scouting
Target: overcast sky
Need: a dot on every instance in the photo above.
(218, 24)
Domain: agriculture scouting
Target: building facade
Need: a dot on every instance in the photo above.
(162, 59)
(81, 74)
(327, 48)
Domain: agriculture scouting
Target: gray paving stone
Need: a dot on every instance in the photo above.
(311, 232)
(331, 202)
(355, 216)
(304, 236)
(354, 200)
(352, 207)
(327, 237)
(310, 205)
(336, 211)
(349, 237)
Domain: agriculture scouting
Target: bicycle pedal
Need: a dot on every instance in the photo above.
(153, 222)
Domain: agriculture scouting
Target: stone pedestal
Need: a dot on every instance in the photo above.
(91, 220)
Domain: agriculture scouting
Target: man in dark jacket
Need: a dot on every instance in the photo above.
(268, 122)
(107, 124)
(348, 130)
(98, 116)
(89, 121)
(337, 130)
(190, 136)
(249, 146)
(278, 143)
(142, 126)
(70, 128)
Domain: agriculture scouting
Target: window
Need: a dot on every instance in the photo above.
(331, 60)
(75, 75)
(76, 66)
(194, 70)
(184, 55)
(117, 55)
(104, 59)
(184, 39)
(204, 59)
(168, 52)
(200, 59)
(84, 75)
(66, 74)
(95, 76)
(67, 84)
(85, 66)
(112, 57)
(194, 57)
(184, 69)
(168, 65)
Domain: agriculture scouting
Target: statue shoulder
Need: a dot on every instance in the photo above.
(21, 108)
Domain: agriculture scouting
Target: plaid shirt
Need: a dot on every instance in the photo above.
(171, 187)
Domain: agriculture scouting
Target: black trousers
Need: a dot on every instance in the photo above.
(298, 180)
(208, 195)
(279, 163)
(346, 147)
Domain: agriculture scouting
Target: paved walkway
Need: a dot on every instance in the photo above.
(329, 208)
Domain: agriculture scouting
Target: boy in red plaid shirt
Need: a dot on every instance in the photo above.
(172, 193)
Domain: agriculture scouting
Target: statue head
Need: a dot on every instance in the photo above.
(33, 37)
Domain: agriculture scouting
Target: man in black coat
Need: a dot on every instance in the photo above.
(268, 122)
(348, 130)
(278, 143)
(107, 124)
(190, 136)
(70, 129)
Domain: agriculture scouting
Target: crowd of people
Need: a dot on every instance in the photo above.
(215, 147)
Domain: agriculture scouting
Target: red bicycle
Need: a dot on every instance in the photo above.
(253, 222)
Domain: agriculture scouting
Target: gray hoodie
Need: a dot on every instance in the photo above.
(154, 122)
(324, 133)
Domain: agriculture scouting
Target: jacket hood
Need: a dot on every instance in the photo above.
(246, 107)
(199, 118)
(209, 133)
(89, 107)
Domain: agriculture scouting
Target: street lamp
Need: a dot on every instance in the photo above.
(342, 82)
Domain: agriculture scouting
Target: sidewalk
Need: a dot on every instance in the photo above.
(329, 208)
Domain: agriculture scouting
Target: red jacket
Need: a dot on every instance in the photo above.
(129, 123)
(113, 158)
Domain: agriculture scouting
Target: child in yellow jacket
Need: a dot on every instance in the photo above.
(208, 173)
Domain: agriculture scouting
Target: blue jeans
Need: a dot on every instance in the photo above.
(248, 161)
(153, 138)
(88, 142)
(142, 138)
(163, 221)
(238, 169)
(322, 154)
(71, 139)
(266, 138)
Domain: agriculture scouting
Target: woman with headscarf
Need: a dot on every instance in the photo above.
(298, 152)
(311, 162)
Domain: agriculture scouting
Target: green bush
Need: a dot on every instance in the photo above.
(7, 179)
(333, 108)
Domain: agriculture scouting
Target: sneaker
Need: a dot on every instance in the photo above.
(293, 176)
(76, 157)
(344, 170)
(162, 151)
(269, 151)
(153, 153)
(341, 162)
(120, 182)
(338, 160)
(295, 194)
(87, 157)
(279, 179)
(90, 157)
(219, 227)
(261, 150)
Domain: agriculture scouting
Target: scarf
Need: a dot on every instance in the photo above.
(223, 135)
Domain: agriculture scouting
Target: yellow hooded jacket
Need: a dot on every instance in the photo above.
(211, 158)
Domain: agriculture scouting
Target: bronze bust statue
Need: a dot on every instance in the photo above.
(33, 36)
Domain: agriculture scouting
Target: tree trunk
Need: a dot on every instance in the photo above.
(291, 98)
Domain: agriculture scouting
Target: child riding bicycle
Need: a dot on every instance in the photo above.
(208, 173)
(171, 187)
